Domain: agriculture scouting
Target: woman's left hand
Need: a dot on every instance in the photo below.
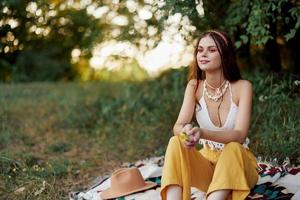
(193, 136)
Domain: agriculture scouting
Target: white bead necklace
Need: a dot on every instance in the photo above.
(218, 93)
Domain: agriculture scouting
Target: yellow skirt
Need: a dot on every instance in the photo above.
(233, 168)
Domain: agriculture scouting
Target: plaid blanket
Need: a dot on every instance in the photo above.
(275, 182)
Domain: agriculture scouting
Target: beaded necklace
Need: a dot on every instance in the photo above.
(219, 92)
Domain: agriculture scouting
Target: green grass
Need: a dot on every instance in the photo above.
(58, 137)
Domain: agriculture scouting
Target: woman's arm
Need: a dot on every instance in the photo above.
(187, 109)
(240, 131)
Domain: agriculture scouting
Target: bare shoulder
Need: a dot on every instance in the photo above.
(194, 87)
(243, 86)
(192, 83)
(241, 89)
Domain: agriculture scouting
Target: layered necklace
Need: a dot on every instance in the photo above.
(219, 91)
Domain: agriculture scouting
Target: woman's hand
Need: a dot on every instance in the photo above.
(186, 128)
(193, 136)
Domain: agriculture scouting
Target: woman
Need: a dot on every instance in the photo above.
(221, 102)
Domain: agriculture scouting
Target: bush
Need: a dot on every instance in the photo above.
(274, 129)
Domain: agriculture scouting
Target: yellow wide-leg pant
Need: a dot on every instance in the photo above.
(233, 168)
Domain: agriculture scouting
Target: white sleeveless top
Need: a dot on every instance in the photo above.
(205, 122)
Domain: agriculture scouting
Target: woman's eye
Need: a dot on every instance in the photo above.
(200, 50)
(212, 50)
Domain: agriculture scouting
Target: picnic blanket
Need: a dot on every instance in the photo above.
(275, 182)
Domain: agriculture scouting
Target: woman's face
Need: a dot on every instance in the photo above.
(208, 56)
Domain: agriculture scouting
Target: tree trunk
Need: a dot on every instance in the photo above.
(272, 49)
(295, 52)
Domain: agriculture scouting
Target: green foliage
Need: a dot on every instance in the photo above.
(214, 12)
(295, 16)
(59, 147)
(276, 111)
(37, 37)
(251, 20)
(261, 30)
(254, 20)
(187, 8)
(129, 71)
(38, 47)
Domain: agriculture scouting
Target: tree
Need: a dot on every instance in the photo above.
(38, 38)
(264, 23)
(250, 22)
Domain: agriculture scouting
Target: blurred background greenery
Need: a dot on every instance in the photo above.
(91, 40)
(87, 85)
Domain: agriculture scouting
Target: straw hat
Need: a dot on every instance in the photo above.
(126, 181)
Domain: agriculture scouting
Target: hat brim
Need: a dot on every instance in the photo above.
(110, 194)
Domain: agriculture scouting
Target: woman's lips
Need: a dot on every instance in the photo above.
(204, 61)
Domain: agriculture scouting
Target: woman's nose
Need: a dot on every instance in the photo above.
(204, 53)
